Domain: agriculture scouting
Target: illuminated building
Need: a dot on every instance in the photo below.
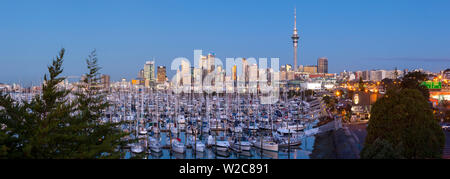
(161, 74)
(149, 72)
(322, 65)
(310, 69)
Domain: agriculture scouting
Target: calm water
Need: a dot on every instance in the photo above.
(296, 152)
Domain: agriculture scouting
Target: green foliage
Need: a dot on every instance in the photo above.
(413, 80)
(98, 139)
(52, 126)
(404, 118)
(330, 102)
(41, 128)
(381, 149)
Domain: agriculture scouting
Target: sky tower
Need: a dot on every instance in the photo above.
(295, 40)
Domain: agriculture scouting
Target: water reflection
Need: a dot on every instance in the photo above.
(301, 151)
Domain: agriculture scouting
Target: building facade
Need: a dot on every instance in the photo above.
(161, 74)
(322, 65)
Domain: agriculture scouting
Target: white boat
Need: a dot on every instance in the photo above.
(293, 126)
(222, 145)
(136, 148)
(155, 146)
(286, 131)
(266, 145)
(210, 141)
(177, 146)
(242, 146)
(142, 131)
(199, 146)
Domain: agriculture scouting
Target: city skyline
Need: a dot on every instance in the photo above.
(125, 37)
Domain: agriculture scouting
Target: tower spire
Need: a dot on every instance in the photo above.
(295, 38)
(295, 18)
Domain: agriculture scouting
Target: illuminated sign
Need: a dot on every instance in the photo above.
(432, 84)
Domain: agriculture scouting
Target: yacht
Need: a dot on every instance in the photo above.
(266, 145)
(177, 146)
(222, 145)
(136, 148)
(242, 146)
(155, 146)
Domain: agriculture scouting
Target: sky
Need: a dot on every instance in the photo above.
(352, 34)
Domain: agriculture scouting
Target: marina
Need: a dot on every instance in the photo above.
(205, 126)
(188, 126)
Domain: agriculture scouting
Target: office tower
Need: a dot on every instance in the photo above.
(310, 69)
(245, 70)
(234, 73)
(185, 72)
(211, 62)
(295, 38)
(359, 75)
(322, 65)
(253, 73)
(149, 71)
(105, 81)
(141, 74)
(161, 74)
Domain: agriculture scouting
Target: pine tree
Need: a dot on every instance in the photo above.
(57, 125)
(39, 129)
(100, 138)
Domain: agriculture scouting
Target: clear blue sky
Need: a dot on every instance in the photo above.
(353, 34)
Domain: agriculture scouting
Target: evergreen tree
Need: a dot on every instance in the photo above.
(99, 137)
(413, 80)
(403, 118)
(57, 125)
(41, 128)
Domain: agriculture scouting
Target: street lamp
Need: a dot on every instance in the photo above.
(338, 93)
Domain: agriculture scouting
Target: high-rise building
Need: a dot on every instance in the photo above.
(359, 75)
(288, 67)
(322, 65)
(141, 74)
(234, 73)
(105, 80)
(161, 74)
(245, 70)
(149, 71)
(253, 73)
(185, 72)
(377, 75)
(295, 38)
(211, 62)
(366, 75)
(310, 69)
